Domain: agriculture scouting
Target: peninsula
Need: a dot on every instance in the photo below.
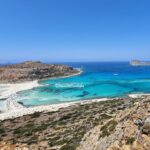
(33, 70)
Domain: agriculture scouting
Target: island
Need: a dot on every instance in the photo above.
(139, 63)
(33, 70)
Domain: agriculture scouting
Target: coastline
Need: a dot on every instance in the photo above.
(15, 109)
(21, 111)
(138, 95)
(76, 74)
(18, 87)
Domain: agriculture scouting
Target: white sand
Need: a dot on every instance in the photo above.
(10, 89)
(138, 95)
(9, 92)
(20, 111)
(6, 90)
(12, 104)
(14, 109)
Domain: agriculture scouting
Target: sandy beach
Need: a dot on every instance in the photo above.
(138, 95)
(14, 109)
(10, 89)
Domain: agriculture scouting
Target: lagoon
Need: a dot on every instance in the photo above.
(98, 80)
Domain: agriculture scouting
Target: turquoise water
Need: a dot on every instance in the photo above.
(98, 80)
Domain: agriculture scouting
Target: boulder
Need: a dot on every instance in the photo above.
(146, 126)
(138, 122)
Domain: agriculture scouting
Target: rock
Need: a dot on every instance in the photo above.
(146, 126)
(121, 107)
(148, 109)
(138, 122)
(114, 147)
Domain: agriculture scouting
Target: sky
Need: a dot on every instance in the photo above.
(74, 30)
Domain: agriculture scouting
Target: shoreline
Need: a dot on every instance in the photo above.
(9, 94)
(11, 89)
(61, 77)
(138, 95)
(18, 110)
(14, 109)
(21, 111)
(14, 88)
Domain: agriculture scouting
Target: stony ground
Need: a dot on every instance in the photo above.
(114, 125)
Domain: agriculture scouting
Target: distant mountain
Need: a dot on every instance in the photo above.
(139, 63)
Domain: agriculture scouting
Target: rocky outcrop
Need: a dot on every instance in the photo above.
(30, 70)
(136, 128)
(129, 130)
(146, 126)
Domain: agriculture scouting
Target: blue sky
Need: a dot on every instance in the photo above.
(74, 30)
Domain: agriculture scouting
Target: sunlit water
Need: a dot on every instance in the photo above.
(97, 80)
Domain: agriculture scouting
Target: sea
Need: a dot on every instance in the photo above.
(98, 80)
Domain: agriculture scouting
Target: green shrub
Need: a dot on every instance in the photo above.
(108, 128)
(130, 140)
(36, 115)
(2, 130)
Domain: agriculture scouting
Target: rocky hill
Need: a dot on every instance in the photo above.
(120, 124)
(30, 70)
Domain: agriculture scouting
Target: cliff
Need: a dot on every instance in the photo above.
(31, 70)
(139, 63)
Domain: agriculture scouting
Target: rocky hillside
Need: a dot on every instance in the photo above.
(121, 124)
(128, 130)
(28, 71)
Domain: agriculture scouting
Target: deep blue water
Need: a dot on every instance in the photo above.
(99, 79)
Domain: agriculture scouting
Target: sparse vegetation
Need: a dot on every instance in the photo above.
(130, 140)
(64, 128)
(33, 70)
(36, 115)
(108, 128)
(2, 130)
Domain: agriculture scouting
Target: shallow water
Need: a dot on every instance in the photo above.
(2, 100)
(108, 79)
(2, 105)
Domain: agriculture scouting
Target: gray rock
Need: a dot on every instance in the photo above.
(138, 122)
(146, 126)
